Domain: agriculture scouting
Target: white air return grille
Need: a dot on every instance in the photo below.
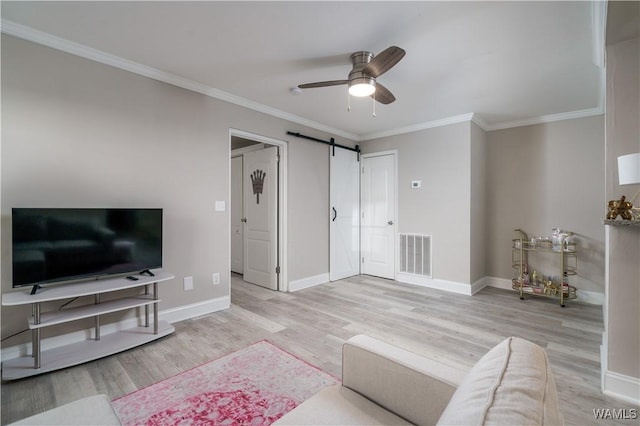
(415, 254)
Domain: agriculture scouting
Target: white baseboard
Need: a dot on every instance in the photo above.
(619, 386)
(170, 315)
(182, 313)
(591, 297)
(479, 285)
(496, 282)
(452, 286)
(308, 282)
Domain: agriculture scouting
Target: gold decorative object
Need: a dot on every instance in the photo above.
(257, 181)
(550, 288)
(620, 207)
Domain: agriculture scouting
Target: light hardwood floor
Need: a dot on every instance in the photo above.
(313, 324)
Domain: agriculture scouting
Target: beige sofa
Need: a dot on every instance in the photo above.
(381, 384)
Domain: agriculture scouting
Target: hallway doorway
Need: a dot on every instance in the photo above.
(257, 223)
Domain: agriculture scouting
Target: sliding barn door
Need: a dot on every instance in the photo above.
(344, 214)
(260, 180)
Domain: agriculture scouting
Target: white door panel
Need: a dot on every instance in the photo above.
(237, 250)
(379, 249)
(260, 178)
(378, 216)
(258, 256)
(344, 238)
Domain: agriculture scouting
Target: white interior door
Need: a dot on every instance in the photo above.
(237, 246)
(260, 181)
(344, 238)
(378, 215)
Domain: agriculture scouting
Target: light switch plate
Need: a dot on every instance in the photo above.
(220, 206)
(188, 283)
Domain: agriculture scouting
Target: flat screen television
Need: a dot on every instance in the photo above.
(64, 244)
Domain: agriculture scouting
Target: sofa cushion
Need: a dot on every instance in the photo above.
(337, 405)
(512, 384)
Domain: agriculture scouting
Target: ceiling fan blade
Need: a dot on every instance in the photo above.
(384, 61)
(323, 84)
(383, 95)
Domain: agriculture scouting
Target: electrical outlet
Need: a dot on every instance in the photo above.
(216, 278)
(188, 283)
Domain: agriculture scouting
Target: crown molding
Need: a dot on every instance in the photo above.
(77, 49)
(480, 122)
(546, 119)
(417, 127)
(484, 125)
(599, 32)
(599, 38)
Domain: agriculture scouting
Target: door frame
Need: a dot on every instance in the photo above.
(394, 153)
(283, 282)
(233, 197)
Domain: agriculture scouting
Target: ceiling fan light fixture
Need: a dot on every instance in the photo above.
(362, 86)
(361, 80)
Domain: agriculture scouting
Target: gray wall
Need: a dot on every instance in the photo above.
(545, 176)
(440, 157)
(479, 186)
(76, 133)
(623, 137)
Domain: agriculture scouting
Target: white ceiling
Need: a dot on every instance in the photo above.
(507, 62)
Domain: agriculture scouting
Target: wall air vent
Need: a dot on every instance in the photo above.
(415, 254)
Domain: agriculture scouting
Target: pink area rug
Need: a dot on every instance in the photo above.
(253, 386)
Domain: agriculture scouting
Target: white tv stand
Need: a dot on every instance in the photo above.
(77, 353)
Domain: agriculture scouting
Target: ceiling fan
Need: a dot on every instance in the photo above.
(362, 78)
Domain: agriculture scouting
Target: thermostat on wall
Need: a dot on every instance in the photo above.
(416, 183)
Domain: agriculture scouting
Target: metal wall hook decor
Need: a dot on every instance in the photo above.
(257, 181)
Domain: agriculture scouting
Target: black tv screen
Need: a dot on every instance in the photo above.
(63, 244)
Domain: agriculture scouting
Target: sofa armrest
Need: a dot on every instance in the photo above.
(413, 387)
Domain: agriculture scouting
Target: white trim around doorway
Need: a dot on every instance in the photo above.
(283, 284)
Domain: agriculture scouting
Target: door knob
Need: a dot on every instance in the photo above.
(243, 220)
(390, 222)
